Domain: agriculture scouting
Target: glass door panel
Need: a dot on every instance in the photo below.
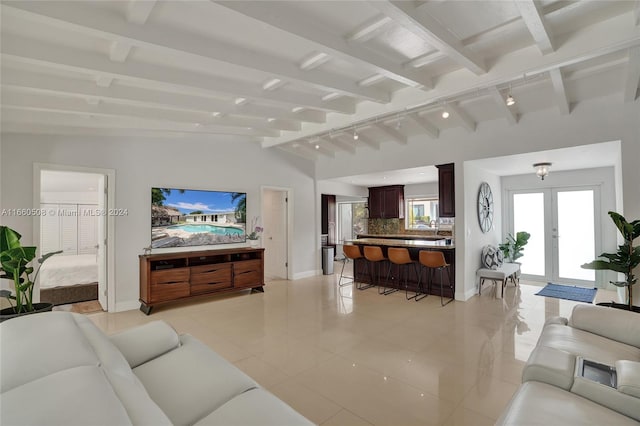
(575, 239)
(529, 216)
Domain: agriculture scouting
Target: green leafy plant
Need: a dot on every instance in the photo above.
(626, 259)
(14, 265)
(514, 246)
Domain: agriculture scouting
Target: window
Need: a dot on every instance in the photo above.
(421, 211)
(352, 220)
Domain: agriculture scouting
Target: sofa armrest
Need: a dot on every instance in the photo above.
(615, 324)
(629, 377)
(146, 342)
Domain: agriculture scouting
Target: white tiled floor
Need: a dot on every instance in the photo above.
(345, 357)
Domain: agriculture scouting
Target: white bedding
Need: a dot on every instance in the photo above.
(69, 270)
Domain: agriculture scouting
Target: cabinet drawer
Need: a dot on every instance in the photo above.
(247, 273)
(208, 278)
(169, 284)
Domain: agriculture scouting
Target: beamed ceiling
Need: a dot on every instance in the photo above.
(304, 76)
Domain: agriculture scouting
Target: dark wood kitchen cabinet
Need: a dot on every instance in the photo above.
(446, 190)
(386, 202)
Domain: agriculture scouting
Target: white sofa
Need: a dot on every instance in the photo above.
(58, 368)
(554, 390)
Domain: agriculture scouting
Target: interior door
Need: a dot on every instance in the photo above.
(101, 254)
(275, 221)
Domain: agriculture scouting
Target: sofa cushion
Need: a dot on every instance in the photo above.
(590, 346)
(617, 324)
(74, 396)
(265, 410)
(541, 404)
(146, 342)
(33, 348)
(190, 382)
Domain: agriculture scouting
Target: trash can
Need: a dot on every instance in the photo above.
(327, 260)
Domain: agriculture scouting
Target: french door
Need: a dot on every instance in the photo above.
(564, 224)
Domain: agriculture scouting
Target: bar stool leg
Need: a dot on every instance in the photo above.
(442, 286)
(419, 295)
(390, 290)
(360, 286)
(342, 276)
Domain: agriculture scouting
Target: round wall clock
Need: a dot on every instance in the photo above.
(485, 207)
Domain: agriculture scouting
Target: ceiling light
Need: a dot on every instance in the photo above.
(240, 101)
(314, 60)
(510, 100)
(542, 169)
(215, 114)
(196, 124)
(445, 114)
(355, 135)
(317, 146)
(297, 109)
(271, 119)
(330, 96)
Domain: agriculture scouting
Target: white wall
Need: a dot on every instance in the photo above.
(601, 120)
(142, 163)
(474, 239)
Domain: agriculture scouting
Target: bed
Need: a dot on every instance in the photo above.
(69, 279)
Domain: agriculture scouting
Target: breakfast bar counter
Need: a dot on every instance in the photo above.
(362, 273)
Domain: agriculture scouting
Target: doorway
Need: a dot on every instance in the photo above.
(564, 224)
(275, 213)
(74, 203)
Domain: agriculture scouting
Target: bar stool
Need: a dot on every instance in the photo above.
(350, 252)
(374, 257)
(400, 257)
(434, 260)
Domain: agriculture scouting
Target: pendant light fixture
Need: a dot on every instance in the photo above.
(542, 169)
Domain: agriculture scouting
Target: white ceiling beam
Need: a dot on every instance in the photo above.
(138, 11)
(332, 44)
(560, 91)
(391, 134)
(369, 29)
(105, 121)
(505, 110)
(104, 80)
(76, 16)
(17, 98)
(632, 77)
(461, 115)
(636, 12)
(340, 144)
(425, 125)
(366, 140)
(431, 31)
(299, 152)
(40, 53)
(118, 51)
(41, 83)
(533, 17)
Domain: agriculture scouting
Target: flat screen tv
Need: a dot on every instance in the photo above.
(186, 217)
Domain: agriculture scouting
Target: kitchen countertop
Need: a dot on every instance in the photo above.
(390, 242)
(428, 237)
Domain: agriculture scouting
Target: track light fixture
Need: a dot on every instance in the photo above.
(445, 114)
(510, 100)
(355, 134)
(542, 169)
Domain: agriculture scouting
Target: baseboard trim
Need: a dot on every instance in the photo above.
(128, 305)
(306, 274)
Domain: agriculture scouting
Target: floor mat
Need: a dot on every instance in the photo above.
(568, 292)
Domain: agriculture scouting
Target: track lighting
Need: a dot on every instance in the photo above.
(445, 114)
(355, 135)
(510, 100)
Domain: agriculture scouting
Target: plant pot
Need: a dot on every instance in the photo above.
(9, 313)
(253, 243)
(622, 306)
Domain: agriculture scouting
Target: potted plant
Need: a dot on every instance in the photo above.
(514, 246)
(14, 265)
(256, 230)
(624, 261)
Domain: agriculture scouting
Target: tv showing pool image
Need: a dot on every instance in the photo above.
(187, 217)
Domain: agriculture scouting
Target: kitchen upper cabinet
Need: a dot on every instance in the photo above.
(386, 202)
(446, 190)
